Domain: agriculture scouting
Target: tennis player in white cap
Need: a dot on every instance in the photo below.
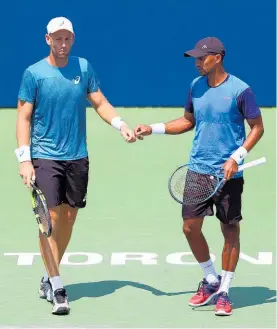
(52, 147)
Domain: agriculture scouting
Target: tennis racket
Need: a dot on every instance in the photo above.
(41, 210)
(197, 182)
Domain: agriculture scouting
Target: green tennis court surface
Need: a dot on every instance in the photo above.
(128, 264)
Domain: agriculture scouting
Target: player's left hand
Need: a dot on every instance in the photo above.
(230, 168)
(128, 134)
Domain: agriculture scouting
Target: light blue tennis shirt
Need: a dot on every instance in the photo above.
(219, 117)
(58, 126)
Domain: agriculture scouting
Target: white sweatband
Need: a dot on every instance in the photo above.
(117, 123)
(23, 153)
(239, 154)
(158, 128)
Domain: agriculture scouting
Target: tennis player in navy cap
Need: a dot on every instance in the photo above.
(217, 106)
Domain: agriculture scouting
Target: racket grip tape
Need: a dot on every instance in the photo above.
(252, 163)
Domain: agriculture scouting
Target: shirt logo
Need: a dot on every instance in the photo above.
(226, 97)
(77, 80)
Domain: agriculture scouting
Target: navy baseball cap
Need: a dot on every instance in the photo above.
(206, 46)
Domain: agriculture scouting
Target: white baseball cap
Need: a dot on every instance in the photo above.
(59, 23)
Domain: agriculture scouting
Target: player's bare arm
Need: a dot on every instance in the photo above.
(107, 112)
(174, 127)
(256, 132)
(24, 114)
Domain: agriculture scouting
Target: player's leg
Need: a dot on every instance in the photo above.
(229, 212)
(76, 182)
(50, 178)
(53, 286)
(45, 291)
(62, 222)
(192, 228)
(230, 253)
(63, 218)
(70, 189)
(193, 216)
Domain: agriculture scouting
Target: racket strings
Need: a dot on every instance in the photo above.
(198, 187)
(40, 209)
(191, 187)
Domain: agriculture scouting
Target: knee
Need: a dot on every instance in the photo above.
(186, 230)
(190, 230)
(70, 218)
(54, 214)
(68, 215)
(70, 221)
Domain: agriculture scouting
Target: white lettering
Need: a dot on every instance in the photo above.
(24, 258)
(145, 258)
(176, 258)
(91, 258)
(264, 258)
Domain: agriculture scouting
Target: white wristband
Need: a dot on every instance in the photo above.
(117, 123)
(239, 154)
(158, 128)
(23, 153)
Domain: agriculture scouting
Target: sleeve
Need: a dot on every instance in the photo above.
(93, 82)
(247, 104)
(189, 104)
(28, 88)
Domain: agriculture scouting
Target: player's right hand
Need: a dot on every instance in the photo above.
(27, 172)
(142, 130)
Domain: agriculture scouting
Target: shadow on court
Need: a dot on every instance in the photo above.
(251, 296)
(103, 288)
(241, 296)
(246, 296)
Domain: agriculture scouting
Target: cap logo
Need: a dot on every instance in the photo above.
(204, 47)
(62, 22)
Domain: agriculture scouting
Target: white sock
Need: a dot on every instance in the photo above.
(46, 277)
(209, 271)
(226, 281)
(56, 283)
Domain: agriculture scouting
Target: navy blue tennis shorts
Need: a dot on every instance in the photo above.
(227, 203)
(63, 181)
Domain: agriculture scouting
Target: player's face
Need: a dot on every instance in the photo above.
(60, 43)
(207, 64)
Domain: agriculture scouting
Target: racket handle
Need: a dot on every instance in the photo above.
(252, 164)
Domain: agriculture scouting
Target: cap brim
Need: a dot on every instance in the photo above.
(195, 53)
(60, 29)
